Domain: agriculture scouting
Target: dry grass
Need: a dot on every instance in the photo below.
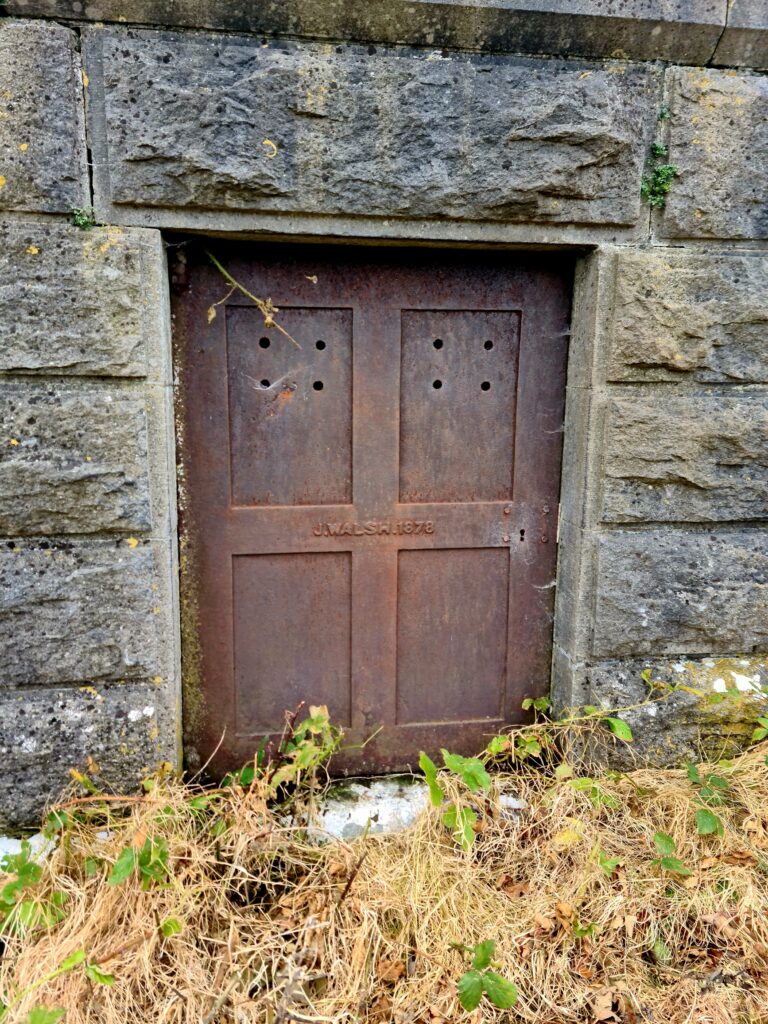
(278, 929)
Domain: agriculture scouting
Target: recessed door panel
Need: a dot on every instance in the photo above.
(291, 625)
(451, 634)
(370, 513)
(458, 394)
(290, 407)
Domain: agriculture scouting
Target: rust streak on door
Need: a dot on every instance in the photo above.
(372, 517)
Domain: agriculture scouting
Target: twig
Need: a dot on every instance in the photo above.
(352, 877)
(219, 1002)
(265, 308)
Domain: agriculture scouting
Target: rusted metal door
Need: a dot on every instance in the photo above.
(371, 518)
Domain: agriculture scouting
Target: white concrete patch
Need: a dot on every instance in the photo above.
(388, 804)
(40, 846)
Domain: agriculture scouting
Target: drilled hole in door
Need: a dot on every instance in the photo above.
(522, 535)
(264, 342)
(437, 384)
(265, 383)
(485, 386)
(320, 345)
(318, 385)
(488, 345)
(438, 342)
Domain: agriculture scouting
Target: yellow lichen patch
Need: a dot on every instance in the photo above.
(23, 146)
(32, 250)
(2, 181)
(698, 213)
(13, 442)
(157, 679)
(92, 691)
(271, 149)
(132, 542)
(86, 79)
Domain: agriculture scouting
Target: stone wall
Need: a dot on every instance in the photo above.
(420, 122)
(89, 673)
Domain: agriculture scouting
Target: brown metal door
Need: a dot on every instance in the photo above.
(371, 518)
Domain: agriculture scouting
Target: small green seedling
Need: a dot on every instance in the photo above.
(480, 980)
(667, 861)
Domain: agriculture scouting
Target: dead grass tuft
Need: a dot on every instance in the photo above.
(277, 928)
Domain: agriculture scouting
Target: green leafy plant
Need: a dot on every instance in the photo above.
(761, 731)
(83, 217)
(42, 1015)
(459, 818)
(712, 792)
(608, 865)
(480, 980)
(595, 793)
(150, 863)
(656, 184)
(304, 747)
(20, 914)
(667, 859)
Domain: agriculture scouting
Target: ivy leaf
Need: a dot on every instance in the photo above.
(483, 954)
(124, 866)
(665, 844)
(470, 769)
(470, 989)
(502, 993)
(429, 768)
(95, 974)
(707, 823)
(620, 729)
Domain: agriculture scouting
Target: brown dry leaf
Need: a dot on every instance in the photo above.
(565, 912)
(509, 885)
(139, 839)
(390, 970)
(546, 924)
(602, 1005)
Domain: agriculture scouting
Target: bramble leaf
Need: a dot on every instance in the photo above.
(620, 729)
(665, 844)
(502, 993)
(483, 954)
(470, 989)
(429, 768)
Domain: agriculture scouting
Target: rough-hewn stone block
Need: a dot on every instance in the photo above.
(686, 457)
(712, 717)
(744, 43)
(682, 30)
(42, 138)
(674, 591)
(207, 122)
(719, 142)
(79, 302)
(83, 611)
(702, 316)
(75, 461)
(118, 734)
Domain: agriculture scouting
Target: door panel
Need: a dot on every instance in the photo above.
(370, 514)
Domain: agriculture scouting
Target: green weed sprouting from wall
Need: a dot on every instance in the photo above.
(658, 176)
